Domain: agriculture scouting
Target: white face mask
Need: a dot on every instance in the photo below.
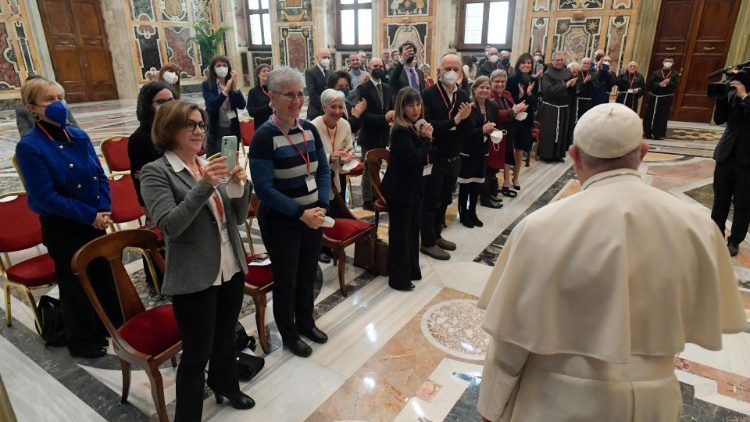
(668, 65)
(538, 58)
(170, 77)
(221, 71)
(493, 59)
(325, 62)
(450, 77)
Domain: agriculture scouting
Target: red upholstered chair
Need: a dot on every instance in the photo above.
(115, 152)
(374, 159)
(347, 231)
(356, 171)
(20, 229)
(258, 284)
(247, 130)
(148, 337)
(125, 205)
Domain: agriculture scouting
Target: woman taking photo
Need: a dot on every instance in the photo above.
(290, 170)
(403, 188)
(67, 187)
(223, 98)
(483, 119)
(258, 99)
(205, 266)
(523, 87)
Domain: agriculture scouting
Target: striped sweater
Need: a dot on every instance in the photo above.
(279, 172)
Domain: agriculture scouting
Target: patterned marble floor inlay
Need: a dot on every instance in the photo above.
(455, 328)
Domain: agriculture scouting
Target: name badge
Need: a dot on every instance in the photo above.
(631, 91)
(427, 170)
(231, 114)
(453, 128)
(310, 182)
(224, 236)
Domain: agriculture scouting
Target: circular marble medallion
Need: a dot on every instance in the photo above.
(455, 327)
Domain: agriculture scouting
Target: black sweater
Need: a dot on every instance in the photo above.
(258, 105)
(474, 143)
(141, 151)
(447, 137)
(403, 177)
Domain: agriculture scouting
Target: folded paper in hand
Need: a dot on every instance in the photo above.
(260, 261)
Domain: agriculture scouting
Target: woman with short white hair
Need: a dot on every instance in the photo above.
(335, 133)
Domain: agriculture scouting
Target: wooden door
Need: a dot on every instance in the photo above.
(78, 47)
(696, 33)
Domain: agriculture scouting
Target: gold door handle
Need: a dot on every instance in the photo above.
(670, 48)
(709, 48)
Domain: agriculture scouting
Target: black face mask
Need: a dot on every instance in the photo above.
(344, 90)
(378, 73)
(598, 57)
(505, 62)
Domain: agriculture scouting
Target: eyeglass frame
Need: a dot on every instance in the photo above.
(291, 96)
(202, 125)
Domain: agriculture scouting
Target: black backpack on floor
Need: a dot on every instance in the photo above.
(53, 328)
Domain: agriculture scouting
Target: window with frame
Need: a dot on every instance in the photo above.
(485, 22)
(354, 24)
(259, 24)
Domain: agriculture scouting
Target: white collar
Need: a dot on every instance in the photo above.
(322, 69)
(375, 81)
(609, 175)
(177, 164)
(445, 88)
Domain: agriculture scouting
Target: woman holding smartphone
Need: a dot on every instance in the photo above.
(205, 260)
(411, 138)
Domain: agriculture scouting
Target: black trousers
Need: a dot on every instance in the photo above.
(403, 242)
(83, 329)
(438, 194)
(206, 320)
(732, 184)
(490, 186)
(468, 194)
(293, 248)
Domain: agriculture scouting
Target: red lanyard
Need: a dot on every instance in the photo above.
(445, 100)
(263, 90)
(306, 156)
(50, 136)
(668, 74)
(632, 79)
(215, 196)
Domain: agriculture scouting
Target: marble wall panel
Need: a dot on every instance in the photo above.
(23, 45)
(202, 11)
(616, 38)
(539, 30)
(579, 4)
(415, 32)
(174, 10)
(399, 8)
(14, 8)
(578, 39)
(142, 10)
(294, 11)
(541, 6)
(241, 27)
(296, 47)
(9, 72)
(622, 4)
(179, 50)
(147, 49)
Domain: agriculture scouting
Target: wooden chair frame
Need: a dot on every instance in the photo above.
(111, 247)
(374, 160)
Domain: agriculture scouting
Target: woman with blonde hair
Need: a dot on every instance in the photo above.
(410, 140)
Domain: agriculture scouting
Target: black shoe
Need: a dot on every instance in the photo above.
(733, 248)
(467, 222)
(315, 335)
(416, 277)
(299, 347)
(88, 353)
(505, 191)
(238, 400)
(409, 287)
(491, 204)
(325, 259)
(517, 187)
(477, 222)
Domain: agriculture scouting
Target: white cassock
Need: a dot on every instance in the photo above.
(594, 295)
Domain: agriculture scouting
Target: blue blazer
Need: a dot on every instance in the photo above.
(63, 179)
(214, 99)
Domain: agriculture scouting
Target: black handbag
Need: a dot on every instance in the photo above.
(53, 327)
(248, 365)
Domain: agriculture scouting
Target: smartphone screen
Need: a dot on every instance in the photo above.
(229, 150)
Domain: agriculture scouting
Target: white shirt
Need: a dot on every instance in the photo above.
(228, 264)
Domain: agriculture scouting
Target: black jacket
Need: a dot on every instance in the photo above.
(736, 138)
(403, 176)
(399, 79)
(141, 151)
(258, 105)
(374, 128)
(447, 137)
(315, 81)
(214, 99)
(475, 142)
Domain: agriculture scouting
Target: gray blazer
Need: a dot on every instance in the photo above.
(179, 206)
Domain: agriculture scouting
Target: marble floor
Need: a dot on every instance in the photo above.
(392, 356)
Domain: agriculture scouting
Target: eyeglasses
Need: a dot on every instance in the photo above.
(292, 95)
(163, 100)
(191, 126)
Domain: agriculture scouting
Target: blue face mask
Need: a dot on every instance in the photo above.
(57, 112)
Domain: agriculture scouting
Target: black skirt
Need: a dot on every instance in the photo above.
(472, 168)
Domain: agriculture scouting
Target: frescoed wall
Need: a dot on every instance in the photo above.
(409, 20)
(18, 52)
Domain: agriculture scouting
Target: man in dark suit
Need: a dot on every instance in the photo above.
(732, 155)
(315, 81)
(405, 73)
(492, 63)
(375, 119)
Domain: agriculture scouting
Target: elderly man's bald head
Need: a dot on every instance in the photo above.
(450, 62)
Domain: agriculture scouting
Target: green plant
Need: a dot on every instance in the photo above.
(208, 39)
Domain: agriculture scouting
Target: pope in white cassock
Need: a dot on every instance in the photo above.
(594, 295)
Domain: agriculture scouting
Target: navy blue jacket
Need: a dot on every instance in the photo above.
(63, 179)
(214, 99)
